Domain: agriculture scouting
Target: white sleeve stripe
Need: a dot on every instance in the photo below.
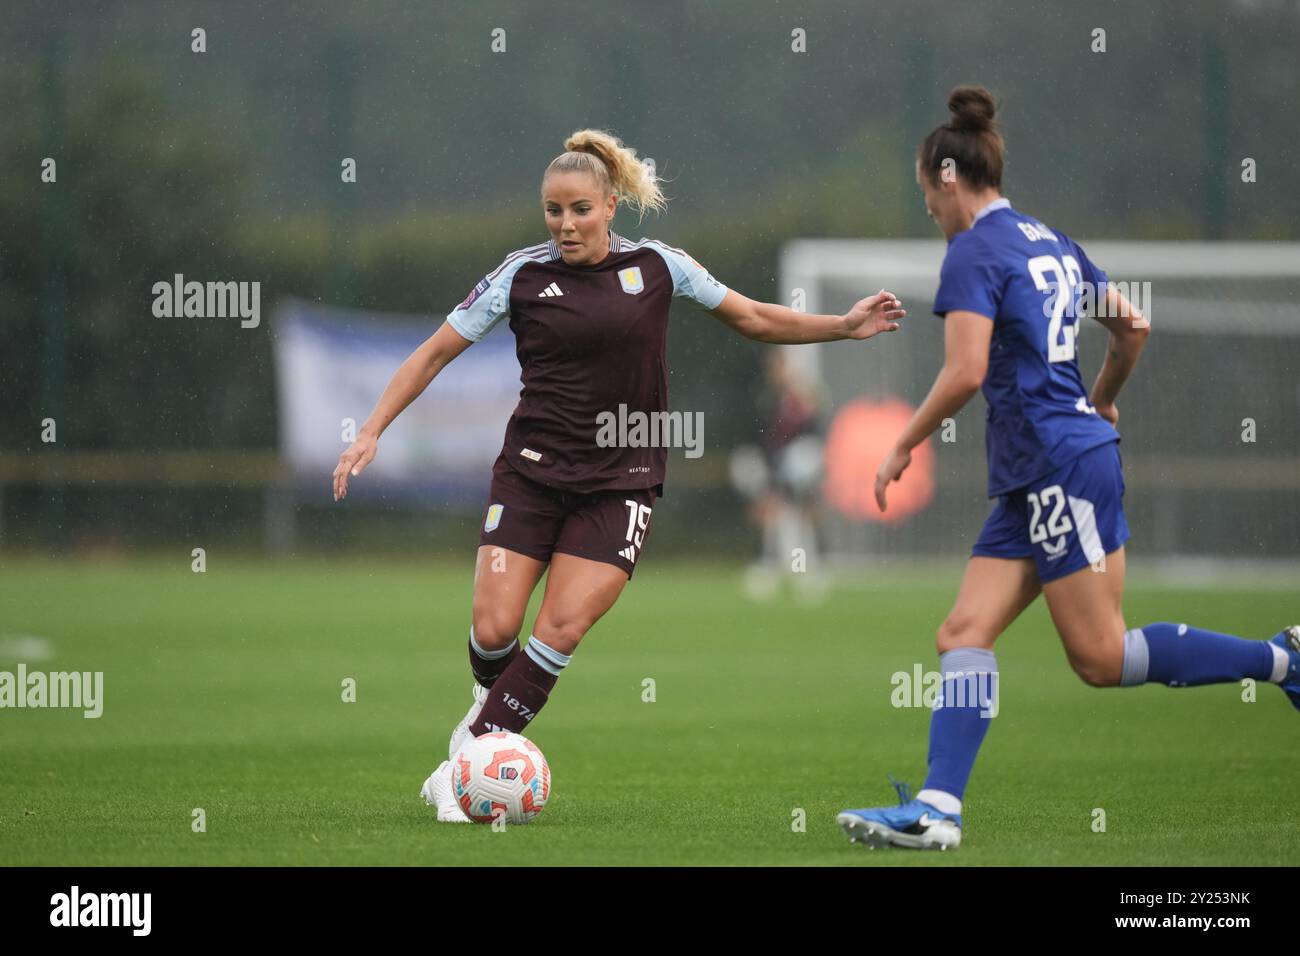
(540, 251)
(689, 277)
(492, 304)
(661, 244)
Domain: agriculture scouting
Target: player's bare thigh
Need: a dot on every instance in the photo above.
(578, 593)
(993, 592)
(503, 583)
(1087, 609)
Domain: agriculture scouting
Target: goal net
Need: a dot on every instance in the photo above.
(1210, 419)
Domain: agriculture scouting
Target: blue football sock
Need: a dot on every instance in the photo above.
(1183, 656)
(957, 728)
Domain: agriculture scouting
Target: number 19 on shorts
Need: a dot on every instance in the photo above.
(638, 520)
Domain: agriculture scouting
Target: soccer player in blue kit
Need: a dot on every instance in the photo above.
(1011, 291)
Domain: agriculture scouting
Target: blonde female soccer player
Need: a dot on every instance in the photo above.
(589, 312)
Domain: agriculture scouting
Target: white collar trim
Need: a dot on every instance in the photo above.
(1000, 203)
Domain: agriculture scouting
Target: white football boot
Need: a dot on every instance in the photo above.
(460, 735)
(437, 792)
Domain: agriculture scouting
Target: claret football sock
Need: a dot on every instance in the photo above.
(1182, 656)
(487, 666)
(522, 689)
(968, 701)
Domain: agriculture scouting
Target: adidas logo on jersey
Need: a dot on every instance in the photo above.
(629, 553)
(551, 289)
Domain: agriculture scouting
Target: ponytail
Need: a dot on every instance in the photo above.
(615, 166)
(971, 139)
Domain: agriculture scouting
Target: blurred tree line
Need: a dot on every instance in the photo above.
(226, 164)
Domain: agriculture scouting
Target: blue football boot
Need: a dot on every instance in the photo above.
(1289, 641)
(911, 824)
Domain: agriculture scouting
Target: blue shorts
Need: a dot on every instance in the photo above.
(1067, 521)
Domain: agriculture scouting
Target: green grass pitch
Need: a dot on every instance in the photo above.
(222, 691)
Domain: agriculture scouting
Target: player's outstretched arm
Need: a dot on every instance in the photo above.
(966, 337)
(410, 379)
(1129, 329)
(768, 322)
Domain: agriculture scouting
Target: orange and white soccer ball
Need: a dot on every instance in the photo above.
(501, 775)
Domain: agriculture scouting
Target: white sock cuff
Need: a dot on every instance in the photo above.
(941, 800)
(491, 655)
(545, 656)
(968, 660)
(1136, 660)
(1280, 664)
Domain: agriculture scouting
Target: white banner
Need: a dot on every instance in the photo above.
(332, 364)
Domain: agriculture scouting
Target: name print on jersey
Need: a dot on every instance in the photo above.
(1070, 295)
(626, 429)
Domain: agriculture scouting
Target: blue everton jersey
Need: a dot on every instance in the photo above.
(1028, 279)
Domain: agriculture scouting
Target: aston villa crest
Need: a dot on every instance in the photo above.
(631, 280)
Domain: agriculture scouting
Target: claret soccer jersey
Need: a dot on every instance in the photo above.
(591, 339)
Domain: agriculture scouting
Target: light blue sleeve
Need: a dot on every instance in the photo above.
(488, 302)
(690, 279)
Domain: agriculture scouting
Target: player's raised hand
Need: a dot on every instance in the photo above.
(891, 469)
(876, 313)
(352, 462)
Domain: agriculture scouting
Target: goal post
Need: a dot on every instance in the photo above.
(1210, 420)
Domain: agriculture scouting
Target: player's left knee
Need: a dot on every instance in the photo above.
(1097, 670)
(962, 631)
(561, 634)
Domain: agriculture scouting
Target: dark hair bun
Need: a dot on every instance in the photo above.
(972, 108)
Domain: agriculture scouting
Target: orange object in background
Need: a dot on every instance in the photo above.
(861, 435)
